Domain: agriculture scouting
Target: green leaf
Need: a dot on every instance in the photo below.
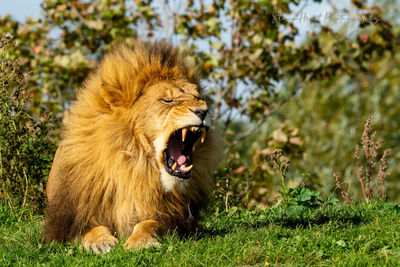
(332, 201)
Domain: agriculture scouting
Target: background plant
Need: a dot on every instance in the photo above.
(370, 176)
(26, 151)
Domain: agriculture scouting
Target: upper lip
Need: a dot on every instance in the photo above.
(196, 129)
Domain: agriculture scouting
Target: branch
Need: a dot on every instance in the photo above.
(80, 17)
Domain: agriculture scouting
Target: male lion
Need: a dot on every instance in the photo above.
(137, 153)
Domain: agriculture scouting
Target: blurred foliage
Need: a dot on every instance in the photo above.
(334, 82)
(330, 116)
(26, 152)
(63, 46)
(309, 99)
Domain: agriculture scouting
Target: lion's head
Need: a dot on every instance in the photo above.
(181, 123)
(162, 102)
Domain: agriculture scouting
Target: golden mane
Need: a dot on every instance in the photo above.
(105, 171)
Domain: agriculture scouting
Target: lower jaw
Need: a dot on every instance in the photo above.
(185, 177)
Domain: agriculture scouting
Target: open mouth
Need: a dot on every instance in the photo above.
(178, 158)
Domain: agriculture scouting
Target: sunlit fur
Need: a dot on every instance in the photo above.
(108, 168)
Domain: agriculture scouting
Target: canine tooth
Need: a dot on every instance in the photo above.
(187, 169)
(173, 167)
(184, 132)
(203, 134)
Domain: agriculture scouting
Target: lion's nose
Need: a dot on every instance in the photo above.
(201, 113)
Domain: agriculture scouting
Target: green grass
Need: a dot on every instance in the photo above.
(364, 235)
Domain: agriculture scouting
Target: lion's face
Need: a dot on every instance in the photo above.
(178, 121)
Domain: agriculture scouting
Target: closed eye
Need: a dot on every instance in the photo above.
(166, 100)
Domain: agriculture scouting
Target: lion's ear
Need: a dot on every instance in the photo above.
(112, 96)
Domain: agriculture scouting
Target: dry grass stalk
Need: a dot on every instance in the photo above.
(360, 170)
(365, 176)
(380, 181)
(338, 182)
(279, 162)
(370, 147)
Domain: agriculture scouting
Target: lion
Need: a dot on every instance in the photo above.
(137, 152)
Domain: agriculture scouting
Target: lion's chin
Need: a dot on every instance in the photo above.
(171, 182)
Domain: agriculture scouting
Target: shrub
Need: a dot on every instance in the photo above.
(25, 147)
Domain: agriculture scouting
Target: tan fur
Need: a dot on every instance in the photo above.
(142, 235)
(98, 239)
(108, 171)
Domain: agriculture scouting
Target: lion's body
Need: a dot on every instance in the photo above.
(108, 169)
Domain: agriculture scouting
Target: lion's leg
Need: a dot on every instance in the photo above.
(143, 235)
(98, 239)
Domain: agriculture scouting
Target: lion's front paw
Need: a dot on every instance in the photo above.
(141, 241)
(143, 236)
(99, 240)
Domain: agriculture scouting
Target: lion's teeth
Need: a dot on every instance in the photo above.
(194, 129)
(203, 135)
(173, 168)
(184, 132)
(186, 169)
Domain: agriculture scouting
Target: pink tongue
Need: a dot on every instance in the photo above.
(181, 160)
